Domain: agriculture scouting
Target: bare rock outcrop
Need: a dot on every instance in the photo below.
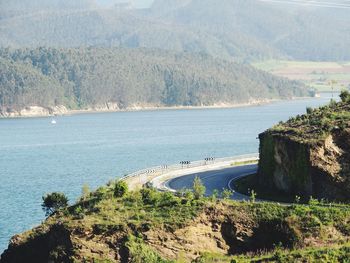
(306, 169)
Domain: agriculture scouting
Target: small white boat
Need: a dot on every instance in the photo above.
(53, 121)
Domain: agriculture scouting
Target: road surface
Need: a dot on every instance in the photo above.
(215, 179)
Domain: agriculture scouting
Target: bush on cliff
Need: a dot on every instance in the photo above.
(53, 202)
(198, 188)
(120, 189)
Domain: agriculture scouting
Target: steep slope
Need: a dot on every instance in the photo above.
(124, 78)
(300, 32)
(241, 29)
(309, 154)
(152, 227)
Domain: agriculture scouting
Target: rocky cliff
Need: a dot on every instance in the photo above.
(309, 155)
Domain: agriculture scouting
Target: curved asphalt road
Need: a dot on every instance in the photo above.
(216, 179)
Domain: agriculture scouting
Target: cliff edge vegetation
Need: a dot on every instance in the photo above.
(114, 225)
(309, 154)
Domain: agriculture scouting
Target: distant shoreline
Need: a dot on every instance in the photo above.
(37, 112)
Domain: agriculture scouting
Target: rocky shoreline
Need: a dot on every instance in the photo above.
(38, 111)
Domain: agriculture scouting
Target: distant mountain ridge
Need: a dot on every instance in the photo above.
(242, 29)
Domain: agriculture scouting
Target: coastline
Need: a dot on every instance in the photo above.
(38, 112)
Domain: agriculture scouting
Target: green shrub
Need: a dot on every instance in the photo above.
(214, 195)
(188, 195)
(309, 110)
(120, 189)
(252, 196)
(149, 196)
(226, 194)
(344, 96)
(101, 193)
(85, 191)
(140, 252)
(53, 202)
(198, 188)
(168, 199)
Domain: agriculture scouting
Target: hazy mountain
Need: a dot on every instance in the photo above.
(243, 29)
(300, 32)
(26, 7)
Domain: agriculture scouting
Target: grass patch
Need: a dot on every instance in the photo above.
(142, 209)
(325, 254)
(244, 162)
(140, 252)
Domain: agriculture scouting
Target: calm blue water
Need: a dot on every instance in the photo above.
(38, 157)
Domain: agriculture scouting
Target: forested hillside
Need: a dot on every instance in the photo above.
(241, 29)
(86, 77)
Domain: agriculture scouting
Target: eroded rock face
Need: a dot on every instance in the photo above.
(319, 169)
(34, 111)
(55, 245)
(219, 231)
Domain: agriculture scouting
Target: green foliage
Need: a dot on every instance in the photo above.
(318, 123)
(276, 231)
(313, 201)
(188, 195)
(168, 199)
(102, 193)
(252, 196)
(120, 189)
(142, 209)
(198, 188)
(78, 212)
(226, 194)
(53, 202)
(309, 110)
(119, 78)
(140, 252)
(85, 191)
(345, 96)
(150, 196)
(214, 195)
(312, 255)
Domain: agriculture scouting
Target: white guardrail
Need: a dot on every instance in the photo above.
(147, 174)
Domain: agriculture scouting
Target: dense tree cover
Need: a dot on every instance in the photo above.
(22, 85)
(244, 29)
(88, 77)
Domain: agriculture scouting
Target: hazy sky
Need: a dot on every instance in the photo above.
(138, 3)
